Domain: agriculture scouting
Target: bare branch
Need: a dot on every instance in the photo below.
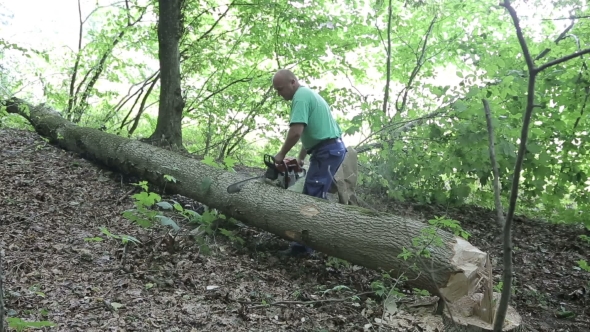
(240, 80)
(519, 35)
(363, 97)
(499, 210)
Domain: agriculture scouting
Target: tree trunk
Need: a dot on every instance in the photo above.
(169, 125)
(455, 270)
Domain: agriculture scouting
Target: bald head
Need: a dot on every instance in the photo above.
(284, 74)
(285, 83)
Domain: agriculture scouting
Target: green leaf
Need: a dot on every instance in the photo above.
(168, 222)
(165, 205)
(126, 238)
(533, 148)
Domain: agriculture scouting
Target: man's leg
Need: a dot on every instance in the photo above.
(323, 165)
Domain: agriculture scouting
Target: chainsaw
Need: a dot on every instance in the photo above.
(287, 172)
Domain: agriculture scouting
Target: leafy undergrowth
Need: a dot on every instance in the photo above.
(60, 267)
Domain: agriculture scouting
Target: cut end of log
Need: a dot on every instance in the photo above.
(469, 263)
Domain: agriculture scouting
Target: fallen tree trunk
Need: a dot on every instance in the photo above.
(375, 240)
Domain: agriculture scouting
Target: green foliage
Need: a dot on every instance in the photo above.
(143, 214)
(336, 262)
(450, 225)
(228, 55)
(124, 238)
(20, 325)
(149, 208)
(446, 160)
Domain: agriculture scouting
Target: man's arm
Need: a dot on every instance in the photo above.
(292, 138)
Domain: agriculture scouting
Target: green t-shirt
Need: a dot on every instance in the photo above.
(310, 108)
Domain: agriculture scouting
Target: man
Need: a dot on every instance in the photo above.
(311, 121)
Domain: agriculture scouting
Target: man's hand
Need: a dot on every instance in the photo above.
(292, 138)
(301, 157)
(279, 158)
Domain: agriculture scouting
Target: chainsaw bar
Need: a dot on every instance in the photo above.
(237, 186)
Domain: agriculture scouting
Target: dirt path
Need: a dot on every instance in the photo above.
(53, 206)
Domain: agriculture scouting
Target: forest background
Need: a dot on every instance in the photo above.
(405, 79)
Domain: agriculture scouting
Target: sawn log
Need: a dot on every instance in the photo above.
(363, 237)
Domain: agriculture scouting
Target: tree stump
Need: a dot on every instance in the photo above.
(461, 316)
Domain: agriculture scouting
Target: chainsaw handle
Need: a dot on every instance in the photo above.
(270, 161)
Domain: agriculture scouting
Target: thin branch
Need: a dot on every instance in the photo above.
(560, 60)
(100, 67)
(410, 124)
(216, 23)
(241, 80)
(277, 33)
(566, 150)
(388, 58)
(566, 18)
(153, 82)
(557, 40)
(77, 63)
(407, 127)
(499, 210)
(100, 7)
(363, 97)
(419, 63)
(240, 137)
(142, 108)
(128, 97)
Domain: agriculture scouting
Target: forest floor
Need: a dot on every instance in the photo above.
(53, 205)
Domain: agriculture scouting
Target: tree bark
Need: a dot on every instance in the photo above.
(363, 237)
(169, 124)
